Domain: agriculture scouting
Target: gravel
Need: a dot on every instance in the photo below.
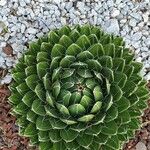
(25, 20)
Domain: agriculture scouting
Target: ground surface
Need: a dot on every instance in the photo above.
(10, 140)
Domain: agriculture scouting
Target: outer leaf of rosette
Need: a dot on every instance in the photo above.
(56, 88)
(118, 41)
(42, 39)
(46, 47)
(108, 73)
(93, 39)
(94, 65)
(72, 145)
(28, 98)
(32, 81)
(42, 68)
(73, 50)
(42, 56)
(33, 140)
(85, 140)
(38, 107)
(34, 47)
(68, 135)
(120, 79)
(56, 74)
(118, 51)
(65, 41)
(107, 102)
(67, 61)
(65, 30)
(84, 55)
(118, 64)
(29, 70)
(29, 59)
(94, 130)
(85, 30)
(113, 142)
(30, 130)
(22, 121)
(99, 118)
(31, 116)
(74, 35)
(45, 145)
(53, 37)
(101, 138)
(58, 51)
(84, 42)
(59, 145)
(54, 135)
(52, 112)
(137, 66)
(15, 98)
(43, 136)
(111, 114)
(123, 104)
(128, 70)
(19, 76)
(63, 109)
(109, 50)
(40, 92)
(106, 39)
(79, 127)
(22, 88)
(124, 117)
(19, 67)
(46, 81)
(110, 128)
(43, 123)
(106, 61)
(97, 31)
(97, 50)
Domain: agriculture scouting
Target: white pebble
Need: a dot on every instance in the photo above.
(3, 2)
(141, 146)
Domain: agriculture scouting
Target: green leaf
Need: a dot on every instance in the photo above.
(76, 109)
(113, 143)
(43, 136)
(108, 73)
(43, 123)
(109, 128)
(33, 140)
(58, 50)
(142, 92)
(22, 88)
(62, 109)
(116, 92)
(86, 118)
(83, 42)
(31, 116)
(15, 98)
(39, 90)
(101, 138)
(68, 121)
(119, 51)
(53, 37)
(97, 92)
(19, 76)
(29, 60)
(65, 30)
(118, 64)
(133, 99)
(120, 79)
(91, 83)
(29, 70)
(47, 82)
(42, 56)
(110, 50)
(137, 66)
(73, 50)
(67, 61)
(94, 64)
(34, 47)
(57, 124)
(59, 146)
(46, 47)
(74, 35)
(124, 117)
(54, 63)
(118, 41)
(75, 97)
(22, 121)
(85, 30)
(55, 136)
(45, 145)
(97, 50)
(28, 98)
(93, 39)
(68, 135)
(30, 130)
(51, 112)
(85, 73)
(38, 107)
(108, 102)
(32, 81)
(50, 99)
(106, 61)
(123, 104)
(56, 74)
(96, 107)
(85, 140)
(65, 41)
(56, 88)
(42, 69)
(128, 70)
(72, 145)
(94, 130)
(112, 114)
(85, 101)
(67, 73)
(78, 65)
(83, 56)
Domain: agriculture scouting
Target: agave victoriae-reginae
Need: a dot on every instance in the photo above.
(76, 89)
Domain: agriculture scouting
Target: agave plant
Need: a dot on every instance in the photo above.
(78, 88)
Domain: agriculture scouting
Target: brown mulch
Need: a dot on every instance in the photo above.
(10, 140)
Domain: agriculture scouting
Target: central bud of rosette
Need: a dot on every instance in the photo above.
(76, 93)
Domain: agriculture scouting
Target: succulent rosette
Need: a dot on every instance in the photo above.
(78, 88)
